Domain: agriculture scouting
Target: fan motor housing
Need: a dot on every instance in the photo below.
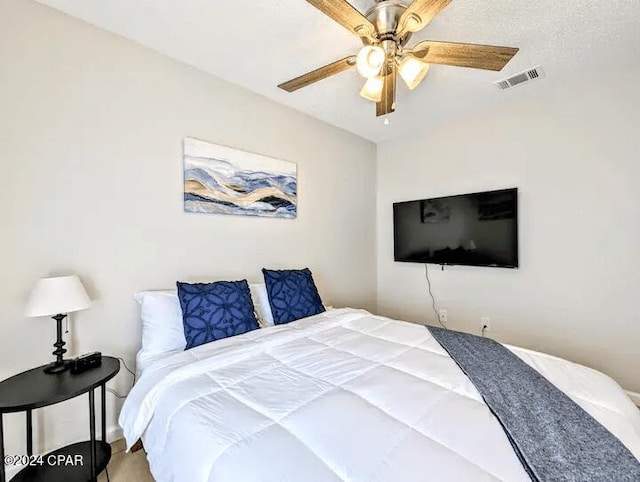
(385, 16)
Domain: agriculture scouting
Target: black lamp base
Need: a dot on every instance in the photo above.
(60, 365)
(57, 367)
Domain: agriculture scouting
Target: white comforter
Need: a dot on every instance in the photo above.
(345, 395)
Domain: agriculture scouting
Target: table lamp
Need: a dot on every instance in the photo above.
(56, 297)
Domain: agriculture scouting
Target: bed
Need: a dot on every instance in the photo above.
(344, 395)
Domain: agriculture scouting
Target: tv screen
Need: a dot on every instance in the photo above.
(478, 229)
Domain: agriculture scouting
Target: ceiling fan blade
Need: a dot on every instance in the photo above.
(486, 57)
(319, 74)
(388, 103)
(419, 14)
(346, 15)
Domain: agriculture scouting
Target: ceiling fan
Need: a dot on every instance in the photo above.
(385, 30)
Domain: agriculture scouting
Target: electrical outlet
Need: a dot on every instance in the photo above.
(485, 324)
(444, 316)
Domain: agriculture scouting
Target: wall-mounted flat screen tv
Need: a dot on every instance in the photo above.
(478, 229)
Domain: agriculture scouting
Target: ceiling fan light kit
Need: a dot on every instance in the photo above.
(385, 30)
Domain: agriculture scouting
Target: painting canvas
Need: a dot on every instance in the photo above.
(222, 180)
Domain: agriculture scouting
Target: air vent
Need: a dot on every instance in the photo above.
(520, 78)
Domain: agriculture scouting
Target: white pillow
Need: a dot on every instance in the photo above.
(261, 304)
(162, 327)
(161, 314)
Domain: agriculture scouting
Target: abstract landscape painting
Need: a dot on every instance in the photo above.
(222, 180)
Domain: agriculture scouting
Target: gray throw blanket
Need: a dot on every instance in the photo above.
(554, 438)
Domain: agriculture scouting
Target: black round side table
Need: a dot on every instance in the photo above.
(34, 389)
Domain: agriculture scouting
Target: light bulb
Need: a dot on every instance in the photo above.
(370, 61)
(386, 121)
(372, 89)
(412, 71)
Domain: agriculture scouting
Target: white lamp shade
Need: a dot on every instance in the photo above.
(370, 61)
(372, 89)
(413, 71)
(60, 295)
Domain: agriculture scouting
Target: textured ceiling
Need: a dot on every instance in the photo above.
(258, 44)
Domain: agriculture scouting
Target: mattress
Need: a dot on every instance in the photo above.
(344, 395)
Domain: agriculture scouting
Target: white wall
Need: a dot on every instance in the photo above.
(572, 147)
(91, 129)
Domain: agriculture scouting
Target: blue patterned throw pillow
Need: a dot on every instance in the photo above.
(292, 295)
(215, 310)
